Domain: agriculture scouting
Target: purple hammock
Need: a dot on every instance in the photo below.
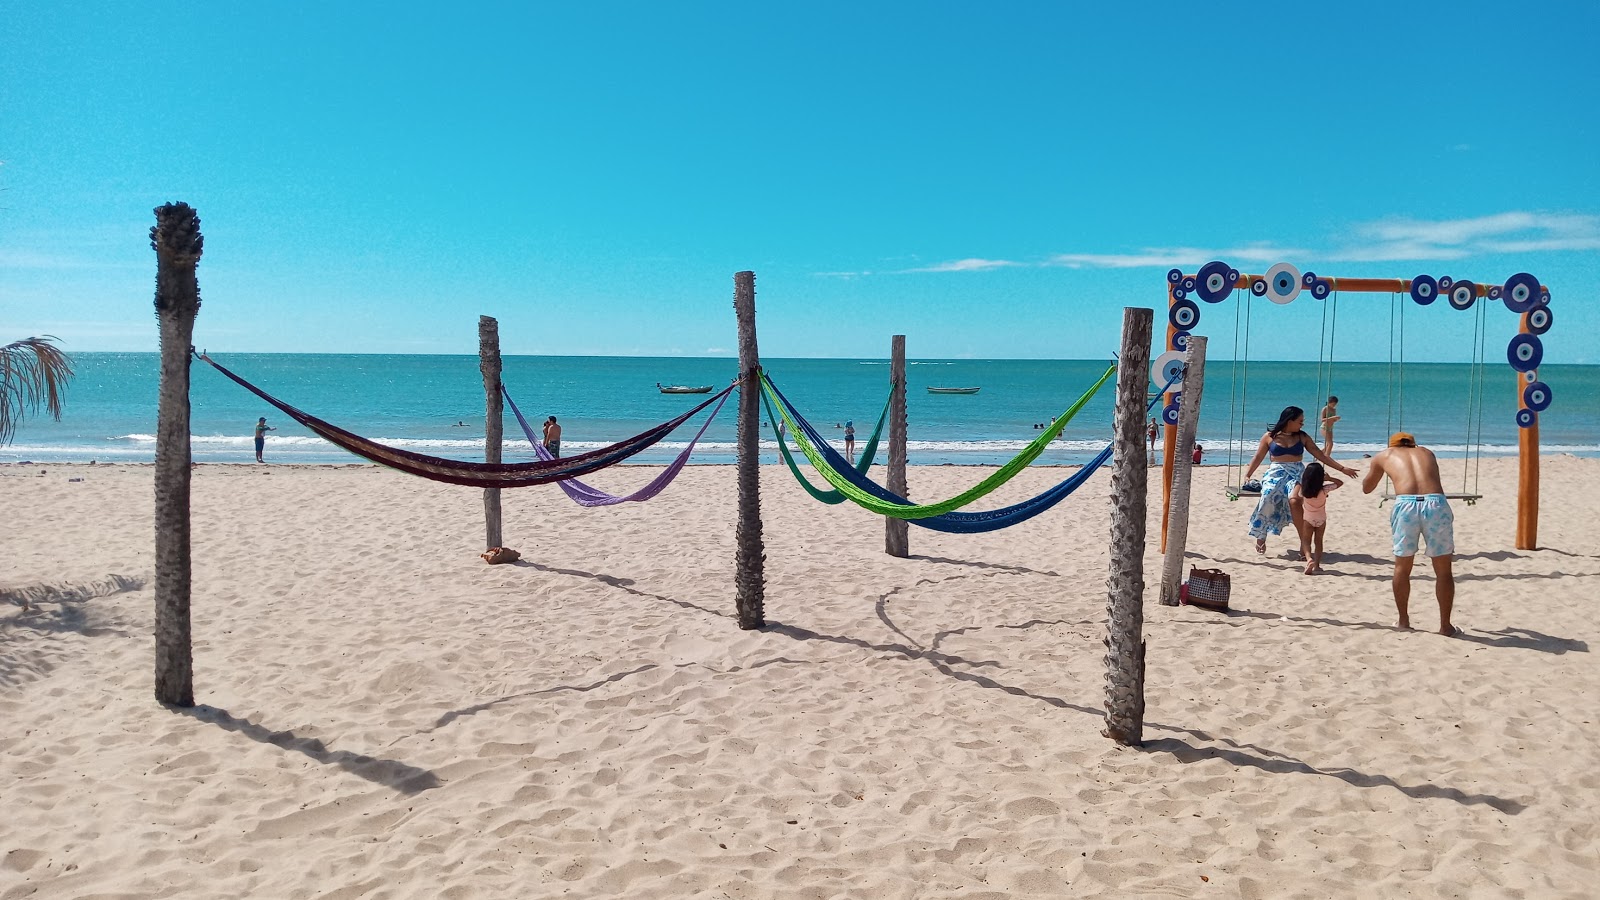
(584, 495)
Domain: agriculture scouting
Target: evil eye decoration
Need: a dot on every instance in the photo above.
(1184, 315)
(1445, 281)
(1521, 292)
(1233, 276)
(1537, 396)
(1527, 418)
(1424, 289)
(1174, 276)
(1525, 352)
(1180, 340)
(1177, 399)
(1189, 283)
(1167, 366)
(1283, 283)
(1258, 287)
(1494, 292)
(1320, 289)
(1530, 376)
(1544, 299)
(1462, 294)
(1540, 319)
(1212, 283)
(1308, 279)
(1179, 293)
(1169, 414)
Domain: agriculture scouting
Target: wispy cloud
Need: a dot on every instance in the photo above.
(1388, 240)
(1507, 232)
(966, 265)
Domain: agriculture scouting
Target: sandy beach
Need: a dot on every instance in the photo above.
(382, 715)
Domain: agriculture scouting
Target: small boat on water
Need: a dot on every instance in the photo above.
(965, 390)
(682, 389)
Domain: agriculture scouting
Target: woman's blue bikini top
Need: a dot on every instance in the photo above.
(1297, 451)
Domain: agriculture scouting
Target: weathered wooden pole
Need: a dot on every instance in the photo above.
(493, 422)
(750, 557)
(896, 537)
(178, 244)
(1169, 433)
(1527, 470)
(1194, 379)
(1125, 583)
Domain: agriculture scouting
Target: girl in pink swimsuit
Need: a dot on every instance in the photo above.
(1312, 496)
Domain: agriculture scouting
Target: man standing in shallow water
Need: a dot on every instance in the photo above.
(1421, 517)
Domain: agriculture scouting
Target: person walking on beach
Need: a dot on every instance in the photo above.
(1284, 446)
(552, 437)
(1421, 518)
(261, 436)
(1151, 433)
(1312, 495)
(1330, 415)
(850, 439)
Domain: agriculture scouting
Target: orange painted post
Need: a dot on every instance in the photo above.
(1169, 439)
(1527, 473)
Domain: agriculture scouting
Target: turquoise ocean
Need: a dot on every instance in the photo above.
(415, 401)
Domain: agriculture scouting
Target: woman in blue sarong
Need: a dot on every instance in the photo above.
(1284, 447)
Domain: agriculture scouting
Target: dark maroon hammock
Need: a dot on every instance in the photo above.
(473, 474)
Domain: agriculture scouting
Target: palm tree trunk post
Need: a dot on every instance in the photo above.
(896, 532)
(493, 422)
(750, 553)
(178, 244)
(1194, 380)
(1125, 584)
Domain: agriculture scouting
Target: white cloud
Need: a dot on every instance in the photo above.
(966, 265)
(1389, 240)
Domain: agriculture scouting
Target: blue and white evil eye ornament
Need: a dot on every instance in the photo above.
(1525, 352)
(1174, 276)
(1258, 287)
(1540, 318)
(1320, 289)
(1444, 282)
(1180, 340)
(1462, 294)
(1166, 367)
(1184, 315)
(1527, 418)
(1424, 289)
(1520, 292)
(1283, 283)
(1212, 283)
(1169, 414)
(1537, 396)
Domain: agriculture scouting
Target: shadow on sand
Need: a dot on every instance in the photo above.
(387, 772)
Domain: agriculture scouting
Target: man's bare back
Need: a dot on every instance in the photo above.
(1413, 470)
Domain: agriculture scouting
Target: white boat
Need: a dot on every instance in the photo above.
(962, 390)
(682, 389)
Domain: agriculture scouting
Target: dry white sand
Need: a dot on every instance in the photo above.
(382, 715)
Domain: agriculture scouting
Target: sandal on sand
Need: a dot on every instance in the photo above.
(1261, 545)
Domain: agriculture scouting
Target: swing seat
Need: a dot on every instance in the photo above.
(1234, 492)
(1469, 499)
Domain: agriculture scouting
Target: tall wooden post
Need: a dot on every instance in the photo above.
(1125, 583)
(493, 422)
(178, 244)
(896, 532)
(750, 553)
(1194, 379)
(1527, 472)
(1169, 433)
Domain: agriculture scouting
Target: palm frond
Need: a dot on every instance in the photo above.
(33, 373)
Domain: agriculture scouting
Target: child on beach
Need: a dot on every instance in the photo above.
(1330, 415)
(1312, 495)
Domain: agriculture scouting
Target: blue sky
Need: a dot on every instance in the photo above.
(991, 182)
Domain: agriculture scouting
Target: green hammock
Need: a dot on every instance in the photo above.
(868, 453)
(924, 510)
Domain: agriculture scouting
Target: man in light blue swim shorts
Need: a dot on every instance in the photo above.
(1421, 519)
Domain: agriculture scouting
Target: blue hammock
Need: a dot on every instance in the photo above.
(954, 522)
